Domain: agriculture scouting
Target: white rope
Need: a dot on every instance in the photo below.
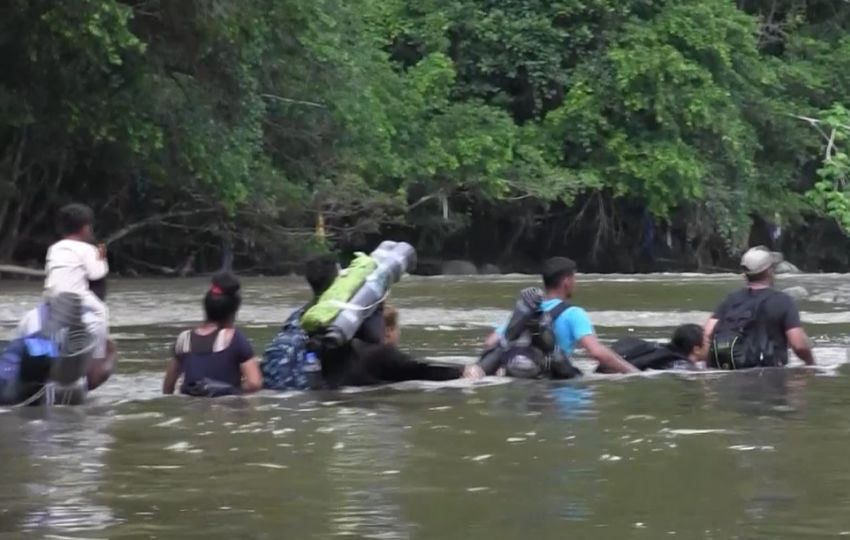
(32, 399)
(354, 307)
(48, 391)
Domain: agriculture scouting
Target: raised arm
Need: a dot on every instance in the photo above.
(95, 263)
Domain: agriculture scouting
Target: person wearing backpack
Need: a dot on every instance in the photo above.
(215, 358)
(372, 357)
(373, 364)
(99, 369)
(544, 329)
(754, 326)
(286, 358)
(684, 352)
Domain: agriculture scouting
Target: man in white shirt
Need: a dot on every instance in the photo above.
(73, 262)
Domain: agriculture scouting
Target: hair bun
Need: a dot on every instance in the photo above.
(227, 283)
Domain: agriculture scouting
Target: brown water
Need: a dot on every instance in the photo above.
(758, 455)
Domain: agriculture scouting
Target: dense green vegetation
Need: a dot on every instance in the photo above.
(492, 129)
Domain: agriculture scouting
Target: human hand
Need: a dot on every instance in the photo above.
(473, 371)
(101, 251)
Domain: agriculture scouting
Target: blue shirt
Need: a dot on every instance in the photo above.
(569, 328)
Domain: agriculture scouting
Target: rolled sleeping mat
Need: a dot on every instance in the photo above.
(327, 308)
(74, 394)
(526, 308)
(394, 259)
(64, 325)
(53, 370)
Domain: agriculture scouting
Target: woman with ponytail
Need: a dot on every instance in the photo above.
(215, 359)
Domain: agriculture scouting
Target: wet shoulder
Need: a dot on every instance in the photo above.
(240, 344)
(549, 305)
(781, 301)
(738, 295)
(573, 313)
(229, 338)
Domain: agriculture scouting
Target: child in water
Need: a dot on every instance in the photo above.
(72, 263)
(215, 359)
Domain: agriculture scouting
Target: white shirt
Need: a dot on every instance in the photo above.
(70, 265)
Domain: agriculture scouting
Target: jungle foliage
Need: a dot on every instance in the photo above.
(489, 129)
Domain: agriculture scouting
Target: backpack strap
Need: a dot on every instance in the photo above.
(184, 343)
(43, 314)
(762, 301)
(215, 341)
(760, 325)
(223, 339)
(758, 304)
(559, 310)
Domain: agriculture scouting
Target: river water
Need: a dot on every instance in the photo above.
(742, 455)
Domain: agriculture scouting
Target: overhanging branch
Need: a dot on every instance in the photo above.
(156, 219)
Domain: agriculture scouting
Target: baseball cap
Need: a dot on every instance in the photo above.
(758, 259)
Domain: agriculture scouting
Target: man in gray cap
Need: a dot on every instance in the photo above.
(754, 326)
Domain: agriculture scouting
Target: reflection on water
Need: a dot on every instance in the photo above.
(747, 455)
(365, 463)
(59, 454)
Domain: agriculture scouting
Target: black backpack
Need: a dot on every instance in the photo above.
(645, 354)
(542, 354)
(542, 328)
(528, 318)
(741, 339)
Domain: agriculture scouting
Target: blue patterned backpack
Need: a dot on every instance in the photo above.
(283, 360)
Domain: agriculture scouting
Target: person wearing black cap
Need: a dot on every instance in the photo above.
(754, 326)
(570, 327)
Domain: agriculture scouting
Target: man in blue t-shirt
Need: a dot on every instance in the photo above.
(572, 326)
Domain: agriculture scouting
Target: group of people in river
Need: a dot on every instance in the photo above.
(751, 328)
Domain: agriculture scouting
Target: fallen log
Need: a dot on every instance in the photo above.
(20, 270)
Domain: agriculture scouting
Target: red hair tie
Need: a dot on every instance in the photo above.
(215, 290)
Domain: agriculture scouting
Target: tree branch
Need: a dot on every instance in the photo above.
(830, 146)
(20, 270)
(161, 269)
(152, 220)
(293, 101)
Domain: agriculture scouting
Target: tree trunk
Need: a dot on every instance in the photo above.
(517, 233)
(9, 242)
(226, 252)
(4, 210)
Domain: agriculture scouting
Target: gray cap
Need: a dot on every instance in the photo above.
(758, 259)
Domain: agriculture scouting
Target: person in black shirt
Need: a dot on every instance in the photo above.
(775, 310)
(372, 356)
(684, 352)
(385, 363)
(321, 272)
